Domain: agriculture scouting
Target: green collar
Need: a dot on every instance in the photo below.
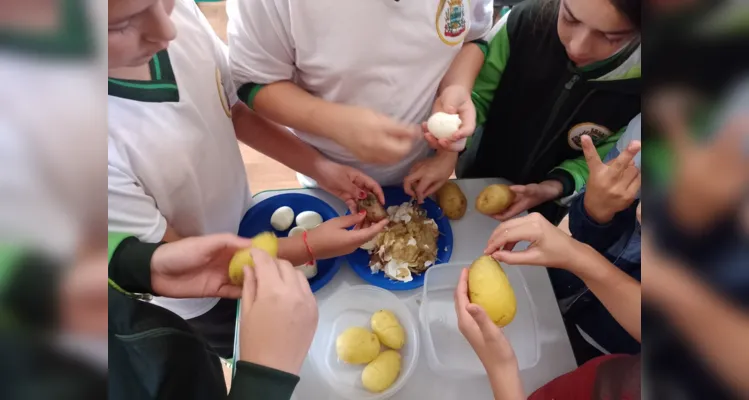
(622, 65)
(160, 89)
(73, 39)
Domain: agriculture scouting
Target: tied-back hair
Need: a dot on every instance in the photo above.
(632, 9)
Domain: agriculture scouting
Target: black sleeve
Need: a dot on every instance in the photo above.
(130, 265)
(257, 382)
(30, 291)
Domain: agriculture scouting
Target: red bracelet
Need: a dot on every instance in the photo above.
(309, 249)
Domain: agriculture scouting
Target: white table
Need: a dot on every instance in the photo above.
(471, 234)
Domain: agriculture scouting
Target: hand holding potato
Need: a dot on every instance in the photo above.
(427, 176)
(529, 196)
(610, 188)
(279, 315)
(486, 338)
(347, 183)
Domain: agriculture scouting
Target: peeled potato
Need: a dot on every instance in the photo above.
(387, 328)
(357, 345)
(265, 241)
(489, 287)
(452, 200)
(381, 373)
(494, 199)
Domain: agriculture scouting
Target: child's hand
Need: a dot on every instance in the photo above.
(486, 338)
(453, 100)
(611, 187)
(333, 239)
(373, 137)
(427, 176)
(549, 245)
(279, 315)
(529, 196)
(347, 183)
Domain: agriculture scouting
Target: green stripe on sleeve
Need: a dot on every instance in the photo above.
(247, 93)
(497, 56)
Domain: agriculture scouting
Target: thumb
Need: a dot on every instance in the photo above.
(350, 220)
(451, 109)
(249, 289)
(486, 325)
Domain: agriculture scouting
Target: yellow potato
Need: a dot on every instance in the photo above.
(452, 200)
(489, 287)
(381, 373)
(357, 345)
(265, 241)
(494, 199)
(387, 328)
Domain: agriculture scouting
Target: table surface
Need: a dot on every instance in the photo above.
(474, 229)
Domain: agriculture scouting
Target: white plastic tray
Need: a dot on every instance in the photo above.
(448, 353)
(354, 307)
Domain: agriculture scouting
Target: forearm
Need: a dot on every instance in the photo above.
(289, 105)
(464, 68)
(293, 250)
(506, 383)
(618, 292)
(275, 141)
(714, 328)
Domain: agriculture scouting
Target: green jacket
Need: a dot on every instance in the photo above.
(154, 354)
(534, 104)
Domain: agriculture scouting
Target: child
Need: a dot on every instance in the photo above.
(553, 71)
(352, 79)
(174, 166)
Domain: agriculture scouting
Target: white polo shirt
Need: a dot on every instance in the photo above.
(388, 55)
(173, 154)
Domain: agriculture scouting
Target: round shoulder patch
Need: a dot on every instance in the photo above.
(596, 132)
(452, 22)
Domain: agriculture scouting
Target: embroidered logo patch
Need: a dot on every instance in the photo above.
(596, 132)
(222, 95)
(451, 21)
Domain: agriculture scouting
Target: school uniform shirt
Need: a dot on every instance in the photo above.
(173, 154)
(387, 55)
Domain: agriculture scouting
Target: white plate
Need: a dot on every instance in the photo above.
(354, 307)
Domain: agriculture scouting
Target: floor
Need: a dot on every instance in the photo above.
(263, 173)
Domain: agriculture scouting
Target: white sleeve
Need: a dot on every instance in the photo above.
(482, 16)
(493, 32)
(221, 52)
(261, 49)
(131, 210)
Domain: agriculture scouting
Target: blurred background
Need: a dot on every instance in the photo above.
(53, 207)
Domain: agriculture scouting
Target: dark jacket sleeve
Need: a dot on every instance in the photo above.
(599, 236)
(256, 382)
(130, 266)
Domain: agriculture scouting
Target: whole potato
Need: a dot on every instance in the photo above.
(375, 211)
(452, 200)
(489, 287)
(494, 199)
(265, 241)
(381, 373)
(357, 345)
(387, 328)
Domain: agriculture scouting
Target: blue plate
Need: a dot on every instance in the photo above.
(257, 220)
(359, 260)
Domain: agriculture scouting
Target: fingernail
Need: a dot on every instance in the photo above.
(363, 212)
